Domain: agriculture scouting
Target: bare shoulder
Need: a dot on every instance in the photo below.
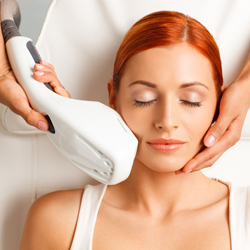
(51, 221)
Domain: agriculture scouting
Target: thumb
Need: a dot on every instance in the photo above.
(217, 130)
(35, 119)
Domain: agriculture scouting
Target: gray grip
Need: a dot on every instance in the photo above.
(9, 30)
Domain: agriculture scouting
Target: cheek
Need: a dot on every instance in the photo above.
(201, 122)
(137, 119)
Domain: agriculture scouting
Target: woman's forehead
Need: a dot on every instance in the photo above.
(179, 63)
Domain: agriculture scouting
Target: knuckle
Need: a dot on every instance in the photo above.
(48, 74)
(210, 156)
(29, 118)
(219, 129)
(52, 76)
(16, 103)
(50, 67)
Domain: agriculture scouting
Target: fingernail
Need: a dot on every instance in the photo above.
(45, 63)
(210, 141)
(188, 171)
(43, 126)
(40, 73)
(39, 66)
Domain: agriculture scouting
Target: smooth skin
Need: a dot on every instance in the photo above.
(154, 208)
(227, 129)
(222, 135)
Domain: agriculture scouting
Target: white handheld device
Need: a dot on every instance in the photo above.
(91, 135)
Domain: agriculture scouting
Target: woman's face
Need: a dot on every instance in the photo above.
(167, 97)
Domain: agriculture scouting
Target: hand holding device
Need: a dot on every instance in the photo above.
(91, 135)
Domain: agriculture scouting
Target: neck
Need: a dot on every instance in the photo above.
(152, 191)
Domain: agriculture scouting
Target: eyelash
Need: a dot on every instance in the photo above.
(147, 104)
(143, 104)
(191, 104)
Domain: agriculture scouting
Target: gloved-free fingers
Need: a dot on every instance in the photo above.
(44, 63)
(31, 116)
(209, 156)
(49, 76)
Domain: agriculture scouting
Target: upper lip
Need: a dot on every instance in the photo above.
(165, 141)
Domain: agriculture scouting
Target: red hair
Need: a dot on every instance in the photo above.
(165, 28)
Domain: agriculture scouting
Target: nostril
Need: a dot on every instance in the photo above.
(167, 126)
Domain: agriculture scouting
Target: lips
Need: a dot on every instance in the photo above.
(166, 145)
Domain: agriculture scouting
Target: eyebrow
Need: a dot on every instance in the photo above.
(190, 84)
(153, 85)
(148, 84)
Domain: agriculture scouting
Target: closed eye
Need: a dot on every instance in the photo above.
(191, 104)
(143, 104)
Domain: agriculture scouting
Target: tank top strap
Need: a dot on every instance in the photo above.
(90, 204)
(239, 217)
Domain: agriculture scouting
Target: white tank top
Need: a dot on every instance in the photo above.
(239, 216)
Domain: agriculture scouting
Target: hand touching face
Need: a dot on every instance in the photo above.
(167, 97)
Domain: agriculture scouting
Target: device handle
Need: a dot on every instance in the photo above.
(10, 21)
(10, 11)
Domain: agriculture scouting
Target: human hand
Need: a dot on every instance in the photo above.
(13, 96)
(44, 72)
(226, 131)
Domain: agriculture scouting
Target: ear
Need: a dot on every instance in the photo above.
(112, 95)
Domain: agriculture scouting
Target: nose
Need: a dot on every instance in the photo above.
(167, 117)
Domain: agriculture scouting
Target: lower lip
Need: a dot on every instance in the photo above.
(166, 147)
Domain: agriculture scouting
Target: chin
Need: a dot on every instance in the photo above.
(167, 163)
